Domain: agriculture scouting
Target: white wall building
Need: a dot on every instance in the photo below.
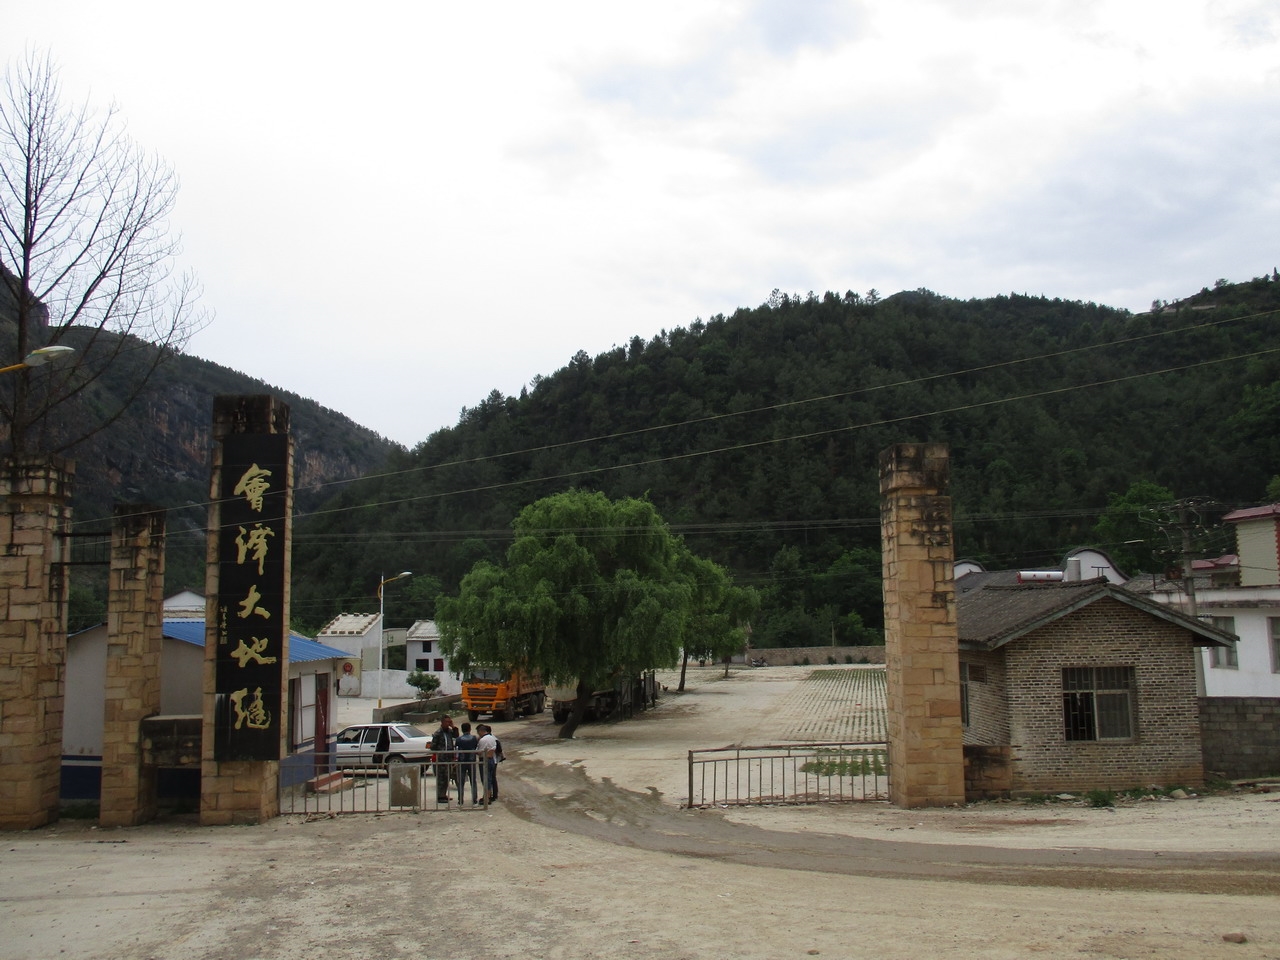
(1239, 593)
(312, 671)
(364, 673)
(422, 651)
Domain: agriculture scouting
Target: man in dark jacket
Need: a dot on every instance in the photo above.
(443, 743)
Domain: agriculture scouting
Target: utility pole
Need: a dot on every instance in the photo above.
(1188, 578)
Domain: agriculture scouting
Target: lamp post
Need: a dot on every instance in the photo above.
(381, 626)
(39, 357)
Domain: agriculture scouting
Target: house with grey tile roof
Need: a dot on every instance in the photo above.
(1076, 685)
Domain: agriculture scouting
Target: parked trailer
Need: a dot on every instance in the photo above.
(622, 699)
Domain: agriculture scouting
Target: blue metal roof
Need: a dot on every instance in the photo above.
(301, 650)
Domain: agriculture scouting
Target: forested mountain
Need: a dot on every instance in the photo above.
(756, 435)
(157, 452)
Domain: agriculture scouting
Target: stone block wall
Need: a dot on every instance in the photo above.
(1241, 736)
(34, 511)
(922, 665)
(135, 636)
(988, 773)
(1166, 748)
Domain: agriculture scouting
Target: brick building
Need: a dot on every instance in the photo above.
(1076, 685)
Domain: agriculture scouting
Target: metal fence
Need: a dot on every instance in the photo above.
(789, 773)
(385, 788)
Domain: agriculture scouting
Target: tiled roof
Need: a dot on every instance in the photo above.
(1253, 513)
(990, 616)
(422, 629)
(350, 625)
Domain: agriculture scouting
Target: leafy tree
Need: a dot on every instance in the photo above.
(721, 612)
(85, 261)
(593, 591)
(1273, 489)
(1125, 530)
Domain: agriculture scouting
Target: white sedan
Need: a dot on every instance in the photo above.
(380, 744)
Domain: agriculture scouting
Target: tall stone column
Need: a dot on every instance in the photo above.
(135, 636)
(34, 510)
(922, 661)
(247, 615)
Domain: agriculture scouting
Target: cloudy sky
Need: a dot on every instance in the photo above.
(396, 208)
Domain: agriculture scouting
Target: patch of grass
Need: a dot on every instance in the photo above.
(1100, 798)
(847, 763)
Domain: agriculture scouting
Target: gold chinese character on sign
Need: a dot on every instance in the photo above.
(246, 652)
(254, 486)
(255, 715)
(249, 605)
(253, 542)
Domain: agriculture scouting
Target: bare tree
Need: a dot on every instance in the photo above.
(86, 260)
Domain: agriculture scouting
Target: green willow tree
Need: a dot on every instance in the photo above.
(593, 591)
(721, 612)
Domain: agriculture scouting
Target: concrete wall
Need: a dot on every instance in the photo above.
(1241, 736)
(817, 656)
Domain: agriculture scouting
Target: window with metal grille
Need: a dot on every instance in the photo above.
(1097, 703)
(1274, 624)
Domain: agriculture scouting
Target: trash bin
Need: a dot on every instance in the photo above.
(405, 783)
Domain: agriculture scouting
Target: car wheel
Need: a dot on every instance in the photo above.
(394, 760)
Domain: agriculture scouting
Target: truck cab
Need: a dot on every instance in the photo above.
(502, 693)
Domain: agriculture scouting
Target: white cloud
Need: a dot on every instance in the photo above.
(396, 210)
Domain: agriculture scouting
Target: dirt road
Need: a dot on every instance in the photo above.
(589, 854)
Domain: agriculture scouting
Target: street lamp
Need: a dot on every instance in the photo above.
(39, 357)
(381, 630)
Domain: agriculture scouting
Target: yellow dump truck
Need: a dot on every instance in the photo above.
(502, 693)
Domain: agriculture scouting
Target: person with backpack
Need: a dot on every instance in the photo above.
(466, 745)
(489, 750)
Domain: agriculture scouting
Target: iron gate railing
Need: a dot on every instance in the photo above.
(382, 788)
(789, 773)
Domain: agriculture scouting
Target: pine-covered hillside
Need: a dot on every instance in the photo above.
(756, 435)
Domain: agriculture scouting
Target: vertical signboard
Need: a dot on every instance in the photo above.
(251, 618)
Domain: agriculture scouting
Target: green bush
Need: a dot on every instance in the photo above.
(425, 683)
(1100, 798)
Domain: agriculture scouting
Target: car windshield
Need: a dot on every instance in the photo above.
(492, 674)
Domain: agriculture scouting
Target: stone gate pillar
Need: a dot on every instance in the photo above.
(247, 610)
(922, 662)
(34, 510)
(135, 636)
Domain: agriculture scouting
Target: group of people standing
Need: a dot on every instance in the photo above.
(458, 754)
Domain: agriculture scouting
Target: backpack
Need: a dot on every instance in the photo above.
(498, 755)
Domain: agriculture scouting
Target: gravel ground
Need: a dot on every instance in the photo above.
(590, 855)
